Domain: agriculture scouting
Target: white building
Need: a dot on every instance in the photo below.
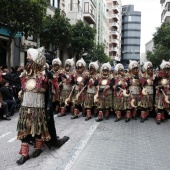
(115, 20)
(165, 10)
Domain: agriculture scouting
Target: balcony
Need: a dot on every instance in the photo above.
(114, 49)
(114, 33)
(115, 41)
(89, 11)
(89, 17)
(114, 24)
(115, 8)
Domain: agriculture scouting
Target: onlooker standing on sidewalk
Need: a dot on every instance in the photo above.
(3, 109)
(8, 96)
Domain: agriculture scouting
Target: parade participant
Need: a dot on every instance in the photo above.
(36, 122)
(162, 84)
(92, 77)
(103, 97)
(56, 70)
(78, 96)
(146, 96)
(134, 88)
(67, 83)
(120, 91)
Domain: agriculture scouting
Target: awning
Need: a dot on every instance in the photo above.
(5, 31)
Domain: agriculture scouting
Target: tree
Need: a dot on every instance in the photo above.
(161, 51)
(83, 38)
(97, 53)
(56, 30)
(21, 16)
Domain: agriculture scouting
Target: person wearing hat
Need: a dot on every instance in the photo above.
(35, 123)
(146, 97)
(120, 87)
(56, 83)
(67, 83)
(162, 84)
(79, 89)
(92, 77)
(134, 89)
(104, 92)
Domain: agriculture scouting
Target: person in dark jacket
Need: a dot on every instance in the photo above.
(8, 96)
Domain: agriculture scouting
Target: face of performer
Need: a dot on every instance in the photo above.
(135, 71)
(150, 71)
(121, 72)
(80, 68)
(28, 65)
(105, 71)
(67, 67)
(92, 69)
(56, 67)
(166, 71)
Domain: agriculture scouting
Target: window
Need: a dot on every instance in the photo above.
(71, 5)
(86, 7)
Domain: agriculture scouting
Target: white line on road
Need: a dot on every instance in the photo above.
(82, 145)
(5, 134)
(13, 139)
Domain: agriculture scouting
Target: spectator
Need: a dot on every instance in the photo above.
(3, 109)
(8, 96)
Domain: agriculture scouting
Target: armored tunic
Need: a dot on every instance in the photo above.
(32, 117)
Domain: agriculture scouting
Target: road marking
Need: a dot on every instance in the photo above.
(5, 134)
(13, 139)
(82, 145)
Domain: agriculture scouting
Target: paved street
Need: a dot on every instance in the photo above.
(104, 146)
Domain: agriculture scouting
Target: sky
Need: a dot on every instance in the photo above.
(150, 18)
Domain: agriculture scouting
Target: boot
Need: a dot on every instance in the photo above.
(59, 142)
(88, 115)
(118, 114)
(128, 116)
(76, 112)
(143, 116)
(84, 112)
(106, 114)
(24, 151)
(134, 114)
(100, 116)
(163, 117)
(62, 112)
(38, 145)
(158, 118)
(95, 112)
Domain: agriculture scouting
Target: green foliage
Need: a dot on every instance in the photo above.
(56, 30)
(22, 15)
(97, 53)
(83, 38)
(161, 49)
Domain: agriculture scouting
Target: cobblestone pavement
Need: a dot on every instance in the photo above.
(106, 146)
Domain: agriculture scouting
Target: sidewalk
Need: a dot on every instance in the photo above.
(106, 146)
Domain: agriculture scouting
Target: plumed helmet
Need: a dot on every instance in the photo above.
(133, 64)
(70, 62)
(119, 67)
(147, 65)
(56, 61)
(106, 65)
(32, 54)
(37, 55)
(95, 64)
(165, 64)
(81, 62)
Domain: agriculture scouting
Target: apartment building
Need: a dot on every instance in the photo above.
(131, 33)
(102, 25)
(165, 10)
(115, 20)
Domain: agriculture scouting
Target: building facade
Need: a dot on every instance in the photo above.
(115, 20)
(131, 33)
(165, 10)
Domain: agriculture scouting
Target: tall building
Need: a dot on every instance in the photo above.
(115, 20)
(102, 25)
(131, 32)
(165, 10)
(84, 10)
